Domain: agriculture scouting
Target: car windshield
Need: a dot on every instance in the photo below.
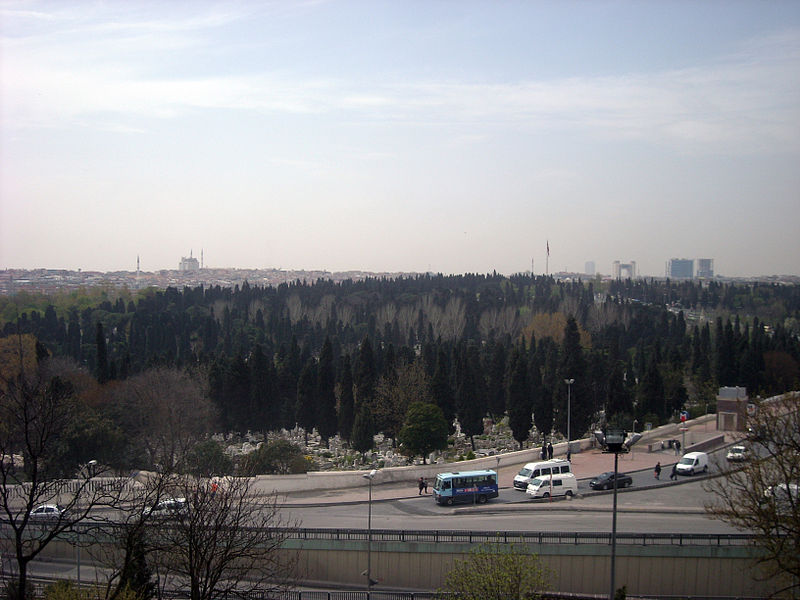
(687, 461)
(525, 472)
(538, 482)
(737, 449)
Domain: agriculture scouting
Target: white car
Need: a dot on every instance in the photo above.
(47, 512)
(784, 495)
(738, 454)
(169, 507)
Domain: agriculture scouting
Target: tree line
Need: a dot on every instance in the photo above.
(350, 358)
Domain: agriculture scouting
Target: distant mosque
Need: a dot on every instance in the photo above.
(190, 264)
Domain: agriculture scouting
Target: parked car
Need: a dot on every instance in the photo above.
(47, 512)
(738, 454)
(169, 507)
(605, 481)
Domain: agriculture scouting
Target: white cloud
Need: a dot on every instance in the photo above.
(750, 98)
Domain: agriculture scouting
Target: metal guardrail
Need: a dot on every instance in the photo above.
(522, 537)
(445, 536)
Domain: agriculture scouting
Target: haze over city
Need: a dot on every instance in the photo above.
(400, 136)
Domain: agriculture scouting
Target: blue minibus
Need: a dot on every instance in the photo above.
(467, 486)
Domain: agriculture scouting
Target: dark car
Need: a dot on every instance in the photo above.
(605, 481)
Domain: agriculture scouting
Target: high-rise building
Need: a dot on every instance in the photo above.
(589, 268)
(680, 268)
(705, 268)
(621, 270)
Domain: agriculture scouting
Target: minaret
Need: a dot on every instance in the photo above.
(201, 258)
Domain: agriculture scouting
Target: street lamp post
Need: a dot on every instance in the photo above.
(615, 442)
(369, 476)
(569, 383)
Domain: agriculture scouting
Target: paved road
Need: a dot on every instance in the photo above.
(585, 465)
(649, 506)
(669, 509)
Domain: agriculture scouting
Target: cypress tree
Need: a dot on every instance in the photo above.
(346, 402)
(102, 354)
(364, 374)
(326, 393)
(618, 400)
(470, 395)
(237, 393)
(579, 402)
(442, 392)
(362, 438)
(262, 391)
(306, 412)
(518, 398)
(651, 391)
(495, 380)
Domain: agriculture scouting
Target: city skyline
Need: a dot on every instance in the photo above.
(413, 137)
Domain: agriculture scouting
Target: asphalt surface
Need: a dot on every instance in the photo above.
(585, 465)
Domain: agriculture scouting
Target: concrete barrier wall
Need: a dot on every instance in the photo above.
(579, 569)
(668, 570)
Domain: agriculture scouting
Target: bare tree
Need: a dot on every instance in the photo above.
(228, 539)
(165, 411)
(762, 495)
(38, 501)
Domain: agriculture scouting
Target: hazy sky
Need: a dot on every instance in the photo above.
(450, 136)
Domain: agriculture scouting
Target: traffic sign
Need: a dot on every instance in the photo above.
(684, 416)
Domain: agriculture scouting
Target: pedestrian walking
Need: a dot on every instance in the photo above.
(544, 451)
(657, 470)
(425, 485)
(421, 485)
(674, 473)
(569, 455)
(550, 451)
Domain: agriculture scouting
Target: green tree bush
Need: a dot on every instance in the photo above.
(496, 572)
(424, 430)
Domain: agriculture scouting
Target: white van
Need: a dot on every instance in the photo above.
(537, 469)
(563, 484)
(693, 462)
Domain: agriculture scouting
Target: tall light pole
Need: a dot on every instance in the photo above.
(569, 383)
(369, 476)
(614, 441)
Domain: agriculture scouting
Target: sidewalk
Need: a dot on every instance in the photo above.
(585, 465)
